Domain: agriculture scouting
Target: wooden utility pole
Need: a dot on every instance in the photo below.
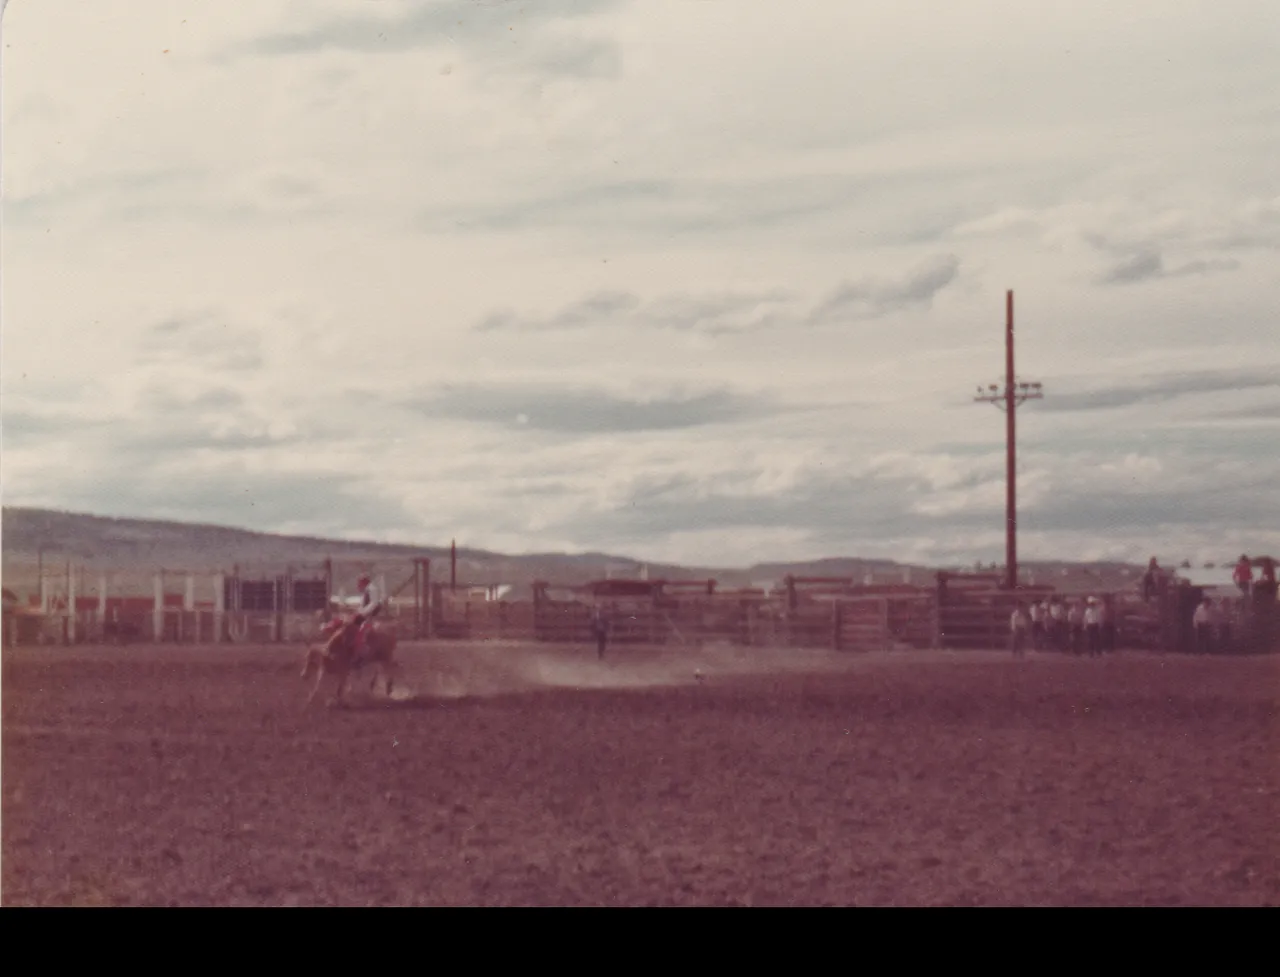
(1008, 400)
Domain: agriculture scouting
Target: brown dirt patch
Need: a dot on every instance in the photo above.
(528, 775)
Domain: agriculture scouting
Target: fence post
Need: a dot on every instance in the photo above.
(287, 604)
(417, 597)
(276, 611)
(188, 607)
(157, 608)
(71, 607)
(219, 605)
(939, 602)
(428, 601)
(538, 597)
(102, 605)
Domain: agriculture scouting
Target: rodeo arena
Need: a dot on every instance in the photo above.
(628, 741)
(901, 738)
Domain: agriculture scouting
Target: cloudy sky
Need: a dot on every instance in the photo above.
(709, 281)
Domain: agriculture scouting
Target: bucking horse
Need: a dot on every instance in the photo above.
(337, 656)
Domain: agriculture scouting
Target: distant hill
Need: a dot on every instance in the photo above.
(103, 543)
(142, 546)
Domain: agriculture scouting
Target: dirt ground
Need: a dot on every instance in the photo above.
(503, 774)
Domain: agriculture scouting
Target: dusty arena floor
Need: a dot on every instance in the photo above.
(531, 775)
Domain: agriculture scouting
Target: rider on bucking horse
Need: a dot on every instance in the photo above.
(370, 605)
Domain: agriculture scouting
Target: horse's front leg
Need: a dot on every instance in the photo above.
(315, 689)
(342, 686)
(392, 669)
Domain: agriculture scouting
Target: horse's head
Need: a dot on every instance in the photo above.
(331, 627)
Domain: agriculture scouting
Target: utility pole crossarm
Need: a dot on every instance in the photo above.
(998, 396)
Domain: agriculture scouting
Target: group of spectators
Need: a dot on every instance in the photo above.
(1207, 625)
(1212, 620)
(1075, 626)
(1156, 580)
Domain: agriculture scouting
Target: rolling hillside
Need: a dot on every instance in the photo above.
(142, 546)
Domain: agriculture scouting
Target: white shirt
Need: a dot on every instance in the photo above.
(1057, 612)
(1035, 613)
(1204, 615)
(1018, 621)
(370, 600)
(1092, 615)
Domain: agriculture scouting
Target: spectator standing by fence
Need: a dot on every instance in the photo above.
(1058, 624)
(1109, 624)
(1075, 626)
(1093, 627)
(1243, 575)
(1152, 581)
(600, 630)
(1019, 628)
(1036, 613)
(1205, 621)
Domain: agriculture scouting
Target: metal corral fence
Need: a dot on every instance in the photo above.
(288, 603)
(266, 603)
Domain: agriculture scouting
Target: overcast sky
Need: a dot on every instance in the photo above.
(709, 281)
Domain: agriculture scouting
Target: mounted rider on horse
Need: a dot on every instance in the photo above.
(354, 634)
(351, 645)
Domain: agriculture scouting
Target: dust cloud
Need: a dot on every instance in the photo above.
(475, 670)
